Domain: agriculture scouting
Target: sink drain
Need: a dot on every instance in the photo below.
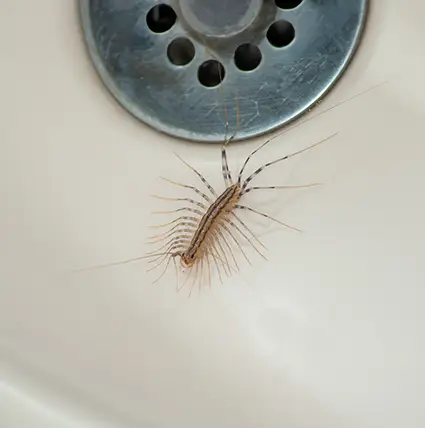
(175, 64)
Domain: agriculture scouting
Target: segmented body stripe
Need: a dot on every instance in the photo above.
(223, 204)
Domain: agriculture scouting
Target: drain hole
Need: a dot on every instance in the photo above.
(181, 51)
(247, 57)
(281, 33)
(161, 18)
(288, 4)
(211, 73)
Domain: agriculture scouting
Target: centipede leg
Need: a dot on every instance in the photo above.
(243, 207)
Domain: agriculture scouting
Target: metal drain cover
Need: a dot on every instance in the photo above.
(176, 64)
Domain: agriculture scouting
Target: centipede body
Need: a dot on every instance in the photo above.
(210, 234)
(207, 232)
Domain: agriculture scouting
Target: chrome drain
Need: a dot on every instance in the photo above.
(175, 64)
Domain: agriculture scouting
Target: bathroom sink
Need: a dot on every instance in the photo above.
(328, 332)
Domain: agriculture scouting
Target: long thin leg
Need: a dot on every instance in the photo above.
(246, 237)
(186, 186)
(225, 166)
(186, 280)
(175, 240)
(191, 201)
(175, 233)
(184, 233)
(194, 279)
(226, 122)
(220, 247)
(121, 262)
(262, 168)
(222, 262)
(209, 269)
(173, 245)
(164, 271)
(193, 225)
(305, 121)
(224, 163)
(226, 116)
(173, 249)
(201, 275)
(208, 185)
(243, 207)
(220, 233)
(193, 219)
(212, 246)
(159, 263)
(127, 261)
(237, 117)
(236, 241)
(215, 262)
(189, 228)
(132, 260)
(177, 273)
(192, 210)
(248, 230)
(250, 189)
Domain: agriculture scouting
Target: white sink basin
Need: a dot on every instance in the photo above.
(330, 332)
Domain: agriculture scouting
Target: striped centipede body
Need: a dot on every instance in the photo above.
(205, 236)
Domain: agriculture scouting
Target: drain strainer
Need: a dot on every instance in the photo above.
(176, 64)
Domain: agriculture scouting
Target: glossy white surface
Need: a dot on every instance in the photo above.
(328, 333)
